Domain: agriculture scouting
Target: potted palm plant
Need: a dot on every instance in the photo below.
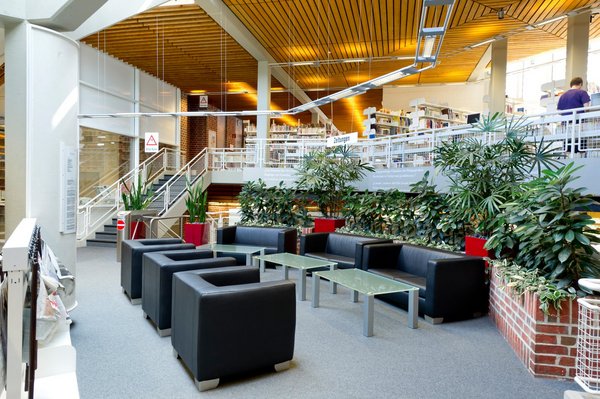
(136, 197)
(326, 175)
(196, 231)
(484, 176)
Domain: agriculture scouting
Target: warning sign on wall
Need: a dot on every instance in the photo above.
(203, 102)
(151, 142)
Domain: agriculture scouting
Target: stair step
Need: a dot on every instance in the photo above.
(110, 228)
(106, 235)
(101, 243)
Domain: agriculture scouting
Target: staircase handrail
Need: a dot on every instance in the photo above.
(107, 176)
(110, 197)
(200, 159)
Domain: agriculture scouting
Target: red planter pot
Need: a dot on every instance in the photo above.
(196, 233)
(474, 246)
(137, 230)
(323, 225)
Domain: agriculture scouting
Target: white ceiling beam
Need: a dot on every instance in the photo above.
(110, 13)
(222, 15)
(479, 70)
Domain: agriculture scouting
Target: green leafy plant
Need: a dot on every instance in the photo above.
(277, 205)
(196, 202)
(486, 173)
(136, 196)
(327, 175)
(549, 230)
(522, 280)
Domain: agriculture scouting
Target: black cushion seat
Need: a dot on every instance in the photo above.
(273, 239)
(451, 285)
(131, 261)
(221, 319)
(344, 249)
(158, 269)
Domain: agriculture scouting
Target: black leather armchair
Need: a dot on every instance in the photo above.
(226, 322)
(345, 249)
(274, 239)
(157, 280)
(131, 262)
(451, 285)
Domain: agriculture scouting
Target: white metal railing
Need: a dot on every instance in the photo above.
(168, 193)
(575, 133)
(104, 205)
(98, 185)
(172, 226)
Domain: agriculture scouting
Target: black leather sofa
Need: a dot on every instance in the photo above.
(131, 261)
(274, 239)
(226, 322)
(157, 280)
(451, 285)
(345, 249)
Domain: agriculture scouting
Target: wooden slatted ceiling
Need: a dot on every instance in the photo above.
(188, 49)
(180, 44)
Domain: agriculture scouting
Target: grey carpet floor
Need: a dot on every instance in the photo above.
(120, 355)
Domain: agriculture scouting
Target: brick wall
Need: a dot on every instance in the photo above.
(184, 141)
(546, 344)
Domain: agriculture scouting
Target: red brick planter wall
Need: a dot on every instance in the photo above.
(546, 344)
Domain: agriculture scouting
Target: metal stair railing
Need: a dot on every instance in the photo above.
(165, 196)
(98, 210)
(96, 187)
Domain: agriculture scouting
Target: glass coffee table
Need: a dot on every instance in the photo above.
(248, 250)
(370, 285)
(302, 263)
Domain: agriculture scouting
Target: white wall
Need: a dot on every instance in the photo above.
(467, 96)
(112, 86)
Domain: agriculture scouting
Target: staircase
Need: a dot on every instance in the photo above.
(105, 238)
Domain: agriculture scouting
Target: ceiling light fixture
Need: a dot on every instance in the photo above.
(428, 43)
(302, 63)
(488, 41)
(551, 20)
(354, 60)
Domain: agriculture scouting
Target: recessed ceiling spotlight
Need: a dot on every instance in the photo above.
(501, 13)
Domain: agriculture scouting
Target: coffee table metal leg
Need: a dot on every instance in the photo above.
(286, 274)
(354, 296)
(302, 285)
(315, 293)
(333, 284)
(368, 315)
(250, 260)
(262, 262)
(413, 309)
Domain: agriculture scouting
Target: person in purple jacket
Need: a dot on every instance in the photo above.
(575, 97)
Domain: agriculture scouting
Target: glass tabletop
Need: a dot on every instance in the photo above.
(365, 282)
(295, 261)
(239, 249)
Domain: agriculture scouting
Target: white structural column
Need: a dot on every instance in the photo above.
(498, 78)
(578, 38)
(263, 92)
(42, 82)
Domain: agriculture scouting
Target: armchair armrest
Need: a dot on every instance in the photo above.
(182, 255)
(381, 256)
(287, 240)
(313, 242)
(359, 250)
(226, 235)
(455, 287)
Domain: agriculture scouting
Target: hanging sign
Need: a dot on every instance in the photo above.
(203, 102)
(151, 142)
(349, 138)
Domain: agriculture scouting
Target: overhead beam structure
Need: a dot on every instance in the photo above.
(429, 44)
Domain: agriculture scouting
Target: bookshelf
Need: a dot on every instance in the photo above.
(286, 132)
(435, 116)
(383, 122)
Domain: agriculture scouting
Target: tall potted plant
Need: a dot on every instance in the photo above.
(327, 176)
(136, 197)
(196, 231)
(484, 176)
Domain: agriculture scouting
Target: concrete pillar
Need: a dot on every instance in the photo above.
(42, 103)
(498, 78)
(263, 92)
(578, 38)
(134, 147)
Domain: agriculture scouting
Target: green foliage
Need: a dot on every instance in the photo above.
(484, 176)
(522, 280)
(136, 196)
(327, 175)
(196, 202)
(409, 240)
(548, 230)
(264, 205)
